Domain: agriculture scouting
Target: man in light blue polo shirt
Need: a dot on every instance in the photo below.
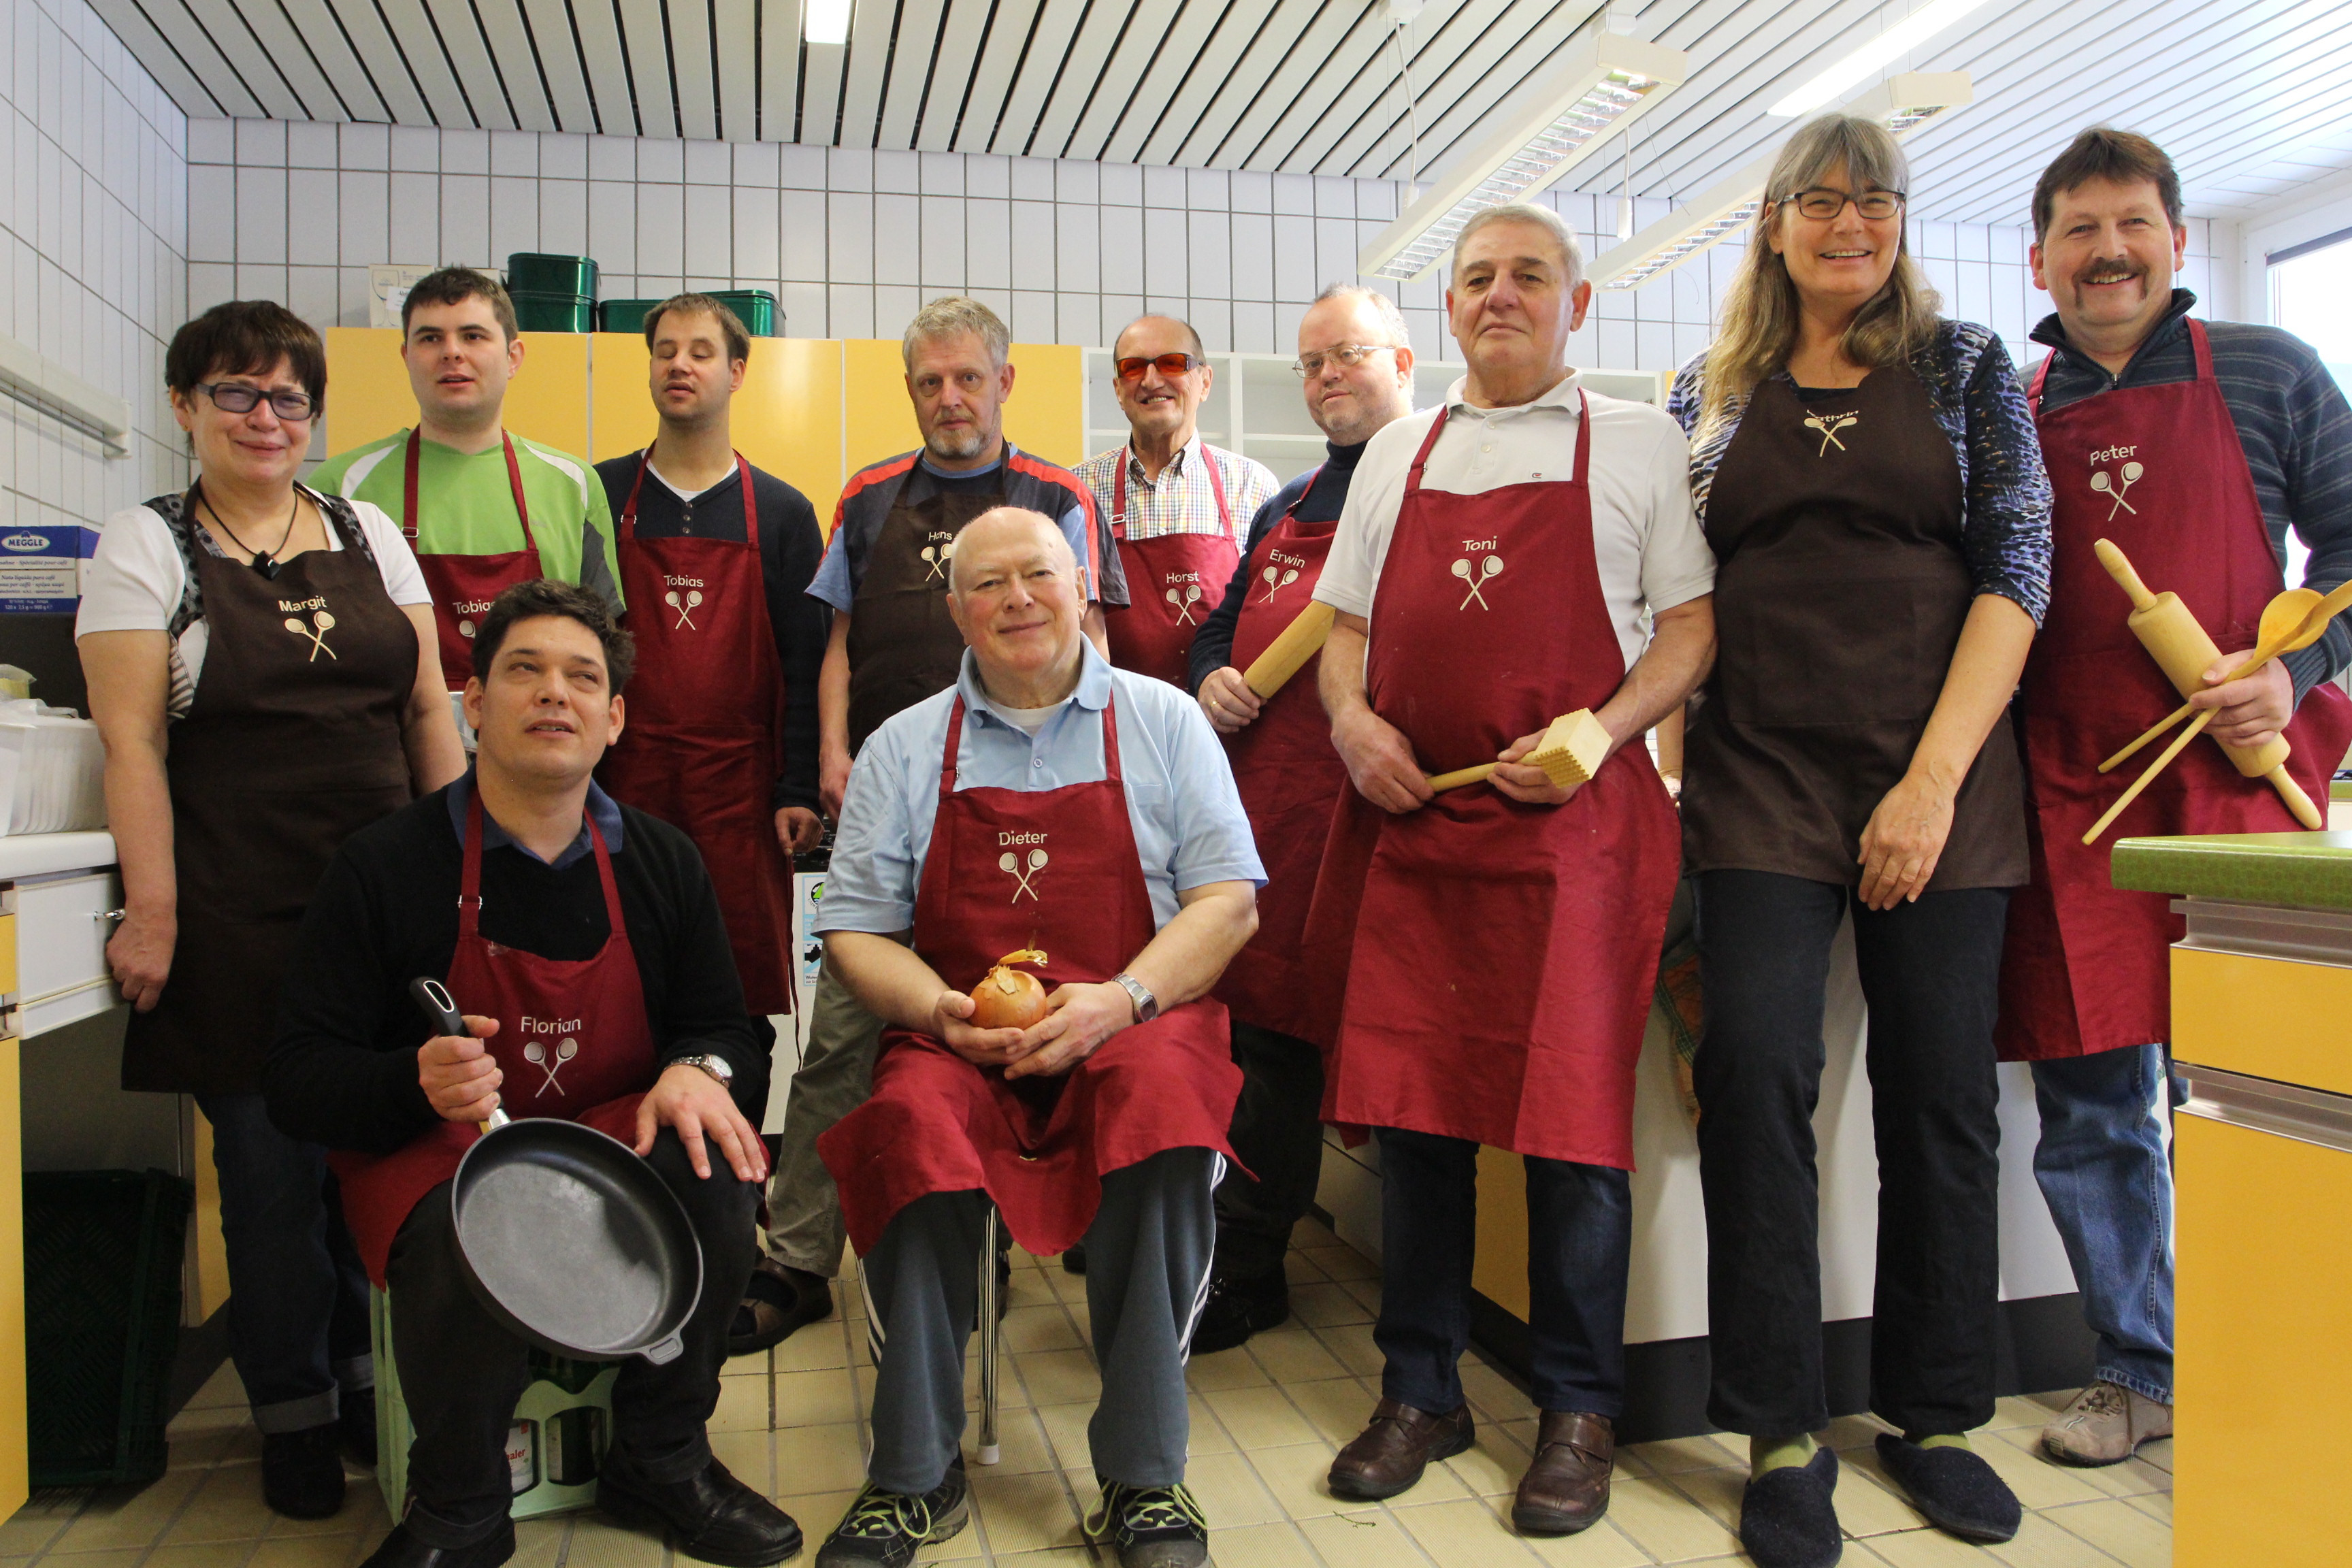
(1047, 811)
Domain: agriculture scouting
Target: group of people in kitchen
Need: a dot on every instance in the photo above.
(464, 707)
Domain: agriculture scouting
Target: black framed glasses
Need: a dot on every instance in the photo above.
(235, 397)
(1132, 367)
(1823, 205)
(1346, 355)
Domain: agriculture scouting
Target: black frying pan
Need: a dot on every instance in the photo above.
(567, 1238)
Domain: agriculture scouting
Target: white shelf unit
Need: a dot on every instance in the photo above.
(1255, 407)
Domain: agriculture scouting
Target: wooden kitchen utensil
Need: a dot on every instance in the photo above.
(1570, 753)
(2294, 619)
(1296, 643)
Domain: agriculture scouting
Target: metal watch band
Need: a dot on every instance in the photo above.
(717, 1066)
(1147, 1005)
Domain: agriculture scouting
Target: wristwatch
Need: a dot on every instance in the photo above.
(715, 1066)
(1147, 1005)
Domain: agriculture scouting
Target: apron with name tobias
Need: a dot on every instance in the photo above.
(1171, 583)
(1503, 953)
(704, 744)
(573, 1042)
(1290, 777)
(464, 586)
(903, 644)
(2160, 470)
(1056, 869)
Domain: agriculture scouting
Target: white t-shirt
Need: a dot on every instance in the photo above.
(1646, 544)
(135, 582)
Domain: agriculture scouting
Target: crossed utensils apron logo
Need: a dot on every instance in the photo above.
(1829, 425)
(1186, 602)
(937, 556)
(1272, 585)
(1485, 570)
(685, 607)
(465, 610)
(2105, 483)
(536, 1053)
(316, 628)
(1023, 870)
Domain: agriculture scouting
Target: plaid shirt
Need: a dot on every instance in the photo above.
(1181, 500)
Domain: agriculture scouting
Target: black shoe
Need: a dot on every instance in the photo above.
(1239, 1306)
(302, 1472)
(1788, 1518)
(1960, 1493)
(1153, 1527)
(1074, 1261)
(778, 1301)
(711, 1516)
(402, 1549)
(884, 1530)
(355, 1426)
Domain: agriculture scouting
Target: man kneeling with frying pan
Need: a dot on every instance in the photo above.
(583, 942)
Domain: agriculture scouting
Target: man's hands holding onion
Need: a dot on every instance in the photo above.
(1079, 1019)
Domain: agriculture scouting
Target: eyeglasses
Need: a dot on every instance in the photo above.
(234, 398)
(1346, 355)
(1823, 205)
(1132, 367)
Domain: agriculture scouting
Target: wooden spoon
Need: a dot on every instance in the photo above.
(2294, 619)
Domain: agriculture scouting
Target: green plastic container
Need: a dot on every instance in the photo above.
(532, 272)
(553, 312)
(755, 307)
(623, 315)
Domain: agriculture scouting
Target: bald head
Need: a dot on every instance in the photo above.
(1015, 592)
(1000, 533)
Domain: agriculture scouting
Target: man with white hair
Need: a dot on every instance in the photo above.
(1046, 812)
(1496, 943)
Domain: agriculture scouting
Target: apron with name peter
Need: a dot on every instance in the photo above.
(1502, 956)
(291, 744)
(903, 644)
(1840, 591)
(1055, 869)
(2160, 470)
(573, 1042)
(1172, 581)
(464, 586)
(1290, 778)
(704, 743)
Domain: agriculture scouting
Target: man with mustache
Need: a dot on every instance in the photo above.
(2194, 446)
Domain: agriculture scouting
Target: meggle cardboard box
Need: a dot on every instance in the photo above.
(41, 565)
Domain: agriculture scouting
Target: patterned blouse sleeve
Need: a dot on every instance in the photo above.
(2006, 535)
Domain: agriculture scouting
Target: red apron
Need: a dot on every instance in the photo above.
(1290, 778)
(704, 744)
(1172, 583)
(1040, 1147)
(552, 1065)
(2160, 470)
(464, 586)
(1503, 955)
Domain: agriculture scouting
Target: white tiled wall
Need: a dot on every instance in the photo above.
(93, 275)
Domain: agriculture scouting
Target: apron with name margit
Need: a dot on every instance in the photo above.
(464, 586)
(574, 1041)
(1172, 581)
(1056, 869)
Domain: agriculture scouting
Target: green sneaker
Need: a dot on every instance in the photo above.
(885, 1529)
(1153, 1527)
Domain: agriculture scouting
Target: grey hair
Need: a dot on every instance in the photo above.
(1383, 306)
(952, 316)
(1061, 543)
(1572, 251)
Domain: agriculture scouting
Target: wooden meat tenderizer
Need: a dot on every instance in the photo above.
(1299, 641)
(2184, 652)
(1570, 753)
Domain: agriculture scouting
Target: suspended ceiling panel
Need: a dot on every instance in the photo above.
(2248, 95)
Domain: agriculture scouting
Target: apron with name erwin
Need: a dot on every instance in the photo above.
(464, 586)
(1170, 581)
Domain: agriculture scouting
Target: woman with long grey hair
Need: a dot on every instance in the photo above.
(1867, 474)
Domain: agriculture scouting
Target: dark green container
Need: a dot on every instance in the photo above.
(623, 315)
(531, 272)
(755, 307)
(553, 312)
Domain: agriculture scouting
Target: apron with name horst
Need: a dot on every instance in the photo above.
(1172, 582)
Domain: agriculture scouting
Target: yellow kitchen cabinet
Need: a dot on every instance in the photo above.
(368, 394)
(787, 419)
(1045, 416)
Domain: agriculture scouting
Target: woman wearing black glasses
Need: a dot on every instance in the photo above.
(1869, 479)
(262, 666)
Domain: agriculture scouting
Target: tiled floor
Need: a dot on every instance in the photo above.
(1265, 1421)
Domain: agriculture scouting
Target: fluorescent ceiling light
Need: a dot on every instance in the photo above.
(1903, 35)
(1904, 103)
(1607, 83)
(825, 21)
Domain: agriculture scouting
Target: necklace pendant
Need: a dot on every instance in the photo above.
(266, 564)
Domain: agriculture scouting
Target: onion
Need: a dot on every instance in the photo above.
(1009, 998)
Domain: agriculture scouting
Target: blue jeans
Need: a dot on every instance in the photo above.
(2106, 1174)
(298, 1301)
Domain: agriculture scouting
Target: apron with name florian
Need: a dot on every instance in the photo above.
(704, 744)
(903, 644)
(1172, 581)
(573, 1042)
(1502, 954)
(1055, 869)
(1290, 779)
(463, 586)
(2160, 470)
(291, 744)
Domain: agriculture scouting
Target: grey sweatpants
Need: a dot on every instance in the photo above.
(836, 1074)
(1148, 1257)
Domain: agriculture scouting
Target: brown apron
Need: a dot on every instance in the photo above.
(1840, 594)
(291, 746)
(903, 644)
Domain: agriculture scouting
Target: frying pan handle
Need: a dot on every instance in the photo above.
(440, 1010)
(664, 1351)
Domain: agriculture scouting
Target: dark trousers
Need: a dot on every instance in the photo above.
(298, 1304)
(1930, 973)
(1277, 1132)
(1579, 1244)
(462, 1373)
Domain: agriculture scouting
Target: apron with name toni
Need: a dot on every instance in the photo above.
(464, 586)
(1172, 581)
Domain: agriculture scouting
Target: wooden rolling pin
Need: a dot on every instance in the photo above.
(1299, 641)
(1570, 753)
(2184, 652)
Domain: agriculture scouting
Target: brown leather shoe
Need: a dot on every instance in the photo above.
(1389, 1454)
(1567, 1487)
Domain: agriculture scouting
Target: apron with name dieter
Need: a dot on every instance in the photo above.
(1053, 869)
(1171, 584)
(464, 586)
(704, 744)
(2160, 471)
(903, 644)
(1502, 954)
(573, 1042)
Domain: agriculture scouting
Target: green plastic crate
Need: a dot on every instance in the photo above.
(625, 316)
(553, 312)
(535, 272)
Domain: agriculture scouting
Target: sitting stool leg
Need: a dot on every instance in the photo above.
(990, 1333)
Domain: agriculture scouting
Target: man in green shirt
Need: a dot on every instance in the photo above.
(484, 508)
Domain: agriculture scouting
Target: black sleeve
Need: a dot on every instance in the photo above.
(1212, 645)
(700, 1009)
(791, 547)
(2318, 462)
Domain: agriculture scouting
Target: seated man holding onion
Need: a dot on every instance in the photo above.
(1039, 874)
(584, 946)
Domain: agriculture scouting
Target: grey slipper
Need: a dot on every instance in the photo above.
(1960, 1493)
(1787, 1517)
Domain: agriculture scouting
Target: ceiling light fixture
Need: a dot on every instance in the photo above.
(825, 21)
(1917, 28)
